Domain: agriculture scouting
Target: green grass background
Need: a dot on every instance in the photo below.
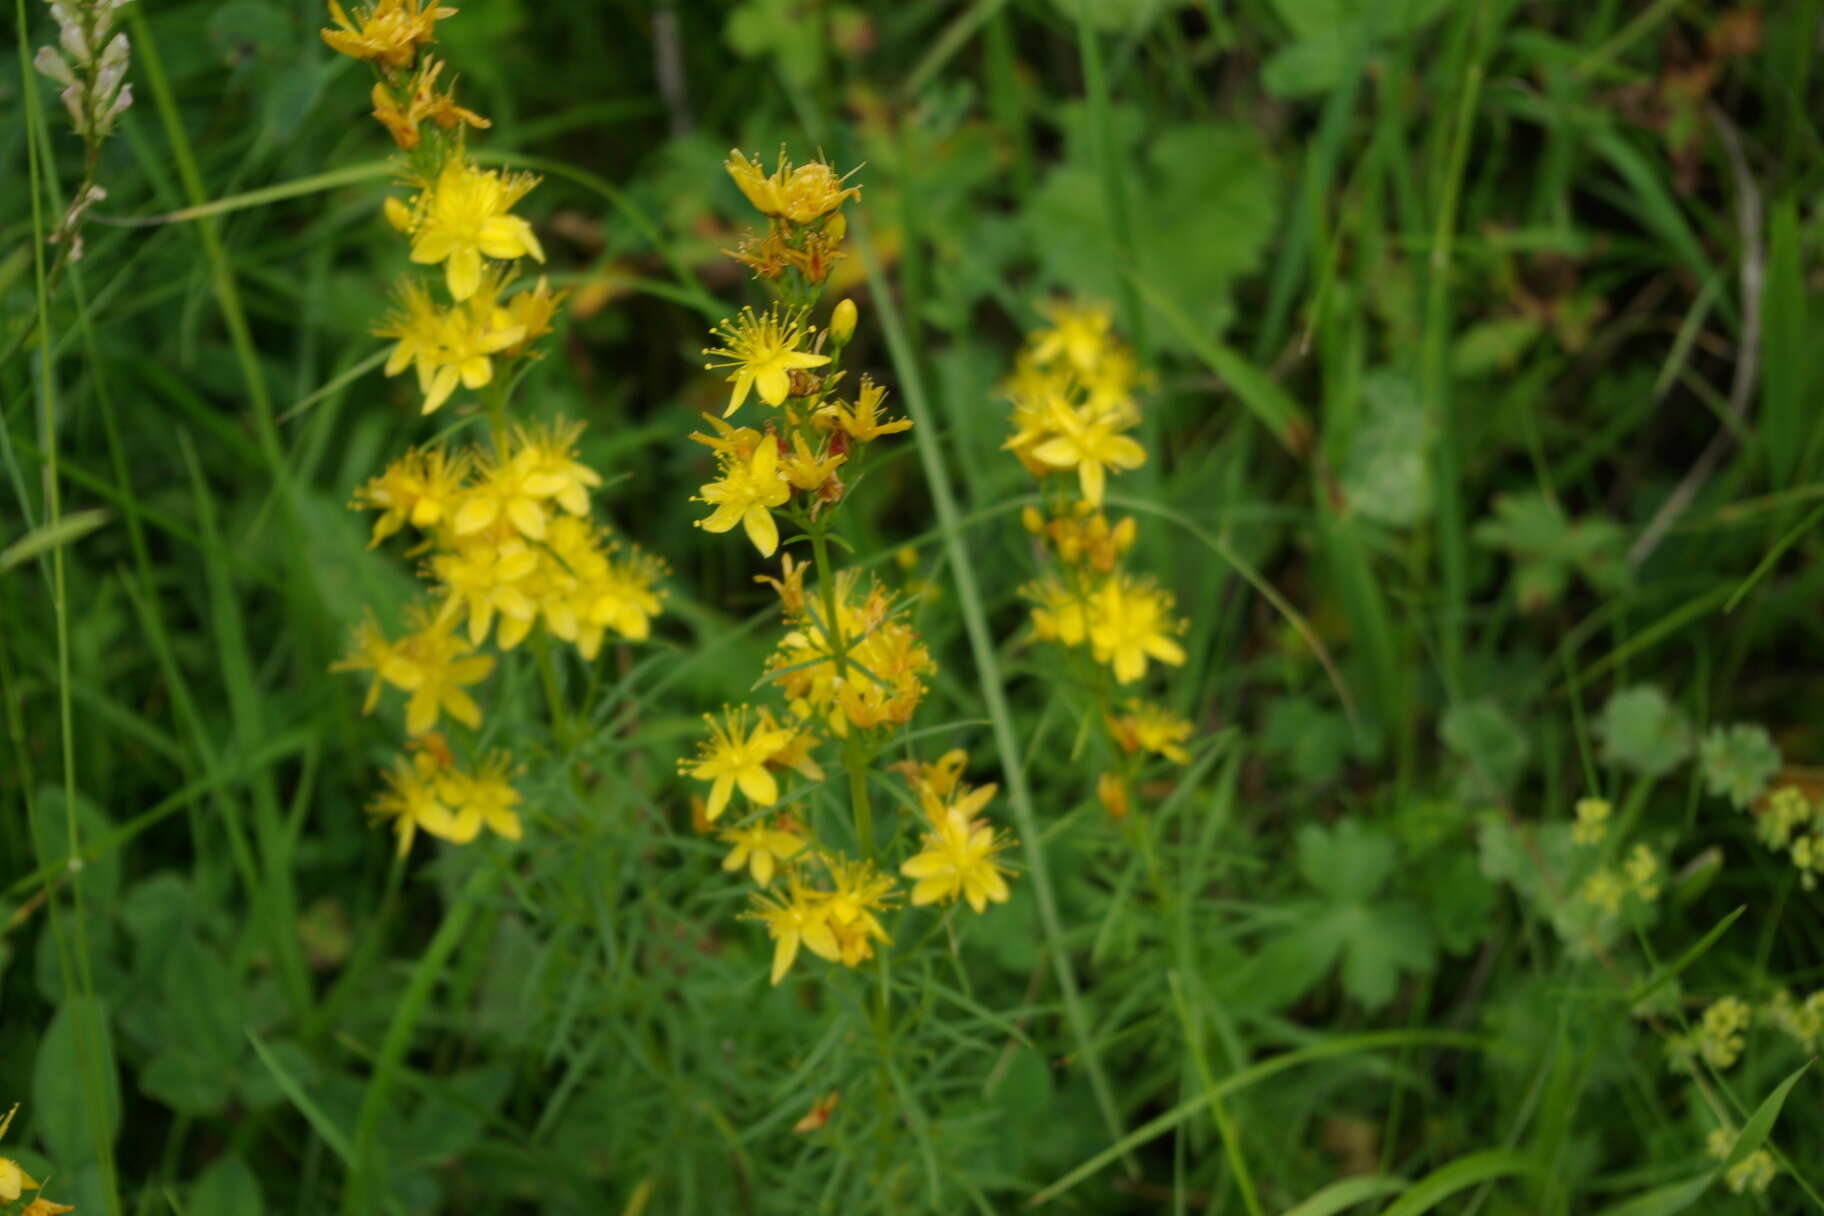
(1444, 301)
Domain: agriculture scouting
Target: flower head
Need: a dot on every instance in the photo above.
(735, 756)
(390, 31)
(448, 346)
(1152, 728)
(762, 348)
(959, 851)
(1592, 821)
(745, 494)
(762, 846)
(1090, 442)
(431, 664)
(421, 487)
(802, 195)
(1131, 621)
(799, 917)
(464, 217)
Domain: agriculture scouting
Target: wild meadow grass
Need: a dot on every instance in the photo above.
(1226, 627)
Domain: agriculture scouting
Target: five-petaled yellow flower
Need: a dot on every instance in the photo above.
(465, 217)
(734, 755)
(1091, 443)
(746, 493)
(1131, 622)
(762, 847)
(391, 31)
(763, 350)
(958, 857)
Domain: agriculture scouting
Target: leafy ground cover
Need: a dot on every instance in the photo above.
(1471, 359)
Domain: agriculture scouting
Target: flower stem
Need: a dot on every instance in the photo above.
(854, 750)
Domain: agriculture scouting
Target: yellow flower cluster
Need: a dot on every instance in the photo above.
(1755, 1172)
(15, 1182)
(803, 206)
(1639, 875)
(1792, 820)
(1073, 394)
(1803, 1020)
(1719, 1037)
(508, 538)
(848, 667)
(1592, 821)
(504, 531)
(428, 792)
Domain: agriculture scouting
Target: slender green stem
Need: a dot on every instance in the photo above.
(554, 700)
(855, 758)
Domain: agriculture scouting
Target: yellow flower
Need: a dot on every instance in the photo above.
(807, 470)
(1059, 613)
(763, 350)
(798, 918)
(735, 756)
(862, 421)
(421, 487)
(465, 217)
(1152, 728)
(585, 586)
(745, 494)
(888, 664)
(483, 798)
(448, 346)
(510, 489)
(1130, 622)
(1592, 821)
(412, 799)
(532, 312)
(1080, 335)
(482, 577)
(1091, 443)
(761, 847)
(859, 892)
(800, 195)
(391, 31)
(400, 112)
(958, 857)
(14, 1181)
(431, 664)
(548, 455)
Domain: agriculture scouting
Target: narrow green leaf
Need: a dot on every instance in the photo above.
(1666, 974)
(1153, 1128)
(1665, 1200)
(313, 1114)
(1760, 1123)
(1347, 1192)
(1464, 1172)
(52, 535)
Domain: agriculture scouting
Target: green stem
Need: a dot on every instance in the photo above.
(855, 756)
(554, 701)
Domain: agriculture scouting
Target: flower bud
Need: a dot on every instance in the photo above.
(51, 64)
(842, 322)
(397, 213)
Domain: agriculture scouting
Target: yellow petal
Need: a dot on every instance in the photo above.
(761, 530)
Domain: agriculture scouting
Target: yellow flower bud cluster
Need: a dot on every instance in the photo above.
(1607, 887)
(503, 533)
(1073, 395)
(849, 667)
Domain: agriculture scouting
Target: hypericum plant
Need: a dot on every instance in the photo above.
(1074, 393)
(849, 670)
(503, 531)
